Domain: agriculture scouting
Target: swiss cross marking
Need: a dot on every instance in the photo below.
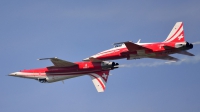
(104, 75)
(180, 37)
(86, 66)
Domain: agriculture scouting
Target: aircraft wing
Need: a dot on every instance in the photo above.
(167, 57)
(59, 63)
(181, 52)
(133, 47)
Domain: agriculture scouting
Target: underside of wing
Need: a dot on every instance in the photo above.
(59, 63)
(133, 47)
(167, 57)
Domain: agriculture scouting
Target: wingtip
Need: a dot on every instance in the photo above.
(47, 58)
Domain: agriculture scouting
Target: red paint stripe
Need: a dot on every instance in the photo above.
(99, 82)
(175, 32)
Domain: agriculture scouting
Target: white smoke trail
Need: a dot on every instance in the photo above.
(193, 59)
(196, 42)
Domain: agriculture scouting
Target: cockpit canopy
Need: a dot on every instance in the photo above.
(118, 44)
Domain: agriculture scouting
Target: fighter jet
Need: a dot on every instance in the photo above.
(174, 43)
(97, 70)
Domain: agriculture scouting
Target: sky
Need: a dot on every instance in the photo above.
(75, 29)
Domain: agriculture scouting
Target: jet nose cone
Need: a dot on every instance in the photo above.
(12, 74)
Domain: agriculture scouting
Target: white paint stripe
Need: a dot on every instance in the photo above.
(108, 51)
(97, 84)
(171, 34)
(175, 36)
(174, 30)
(100, 78)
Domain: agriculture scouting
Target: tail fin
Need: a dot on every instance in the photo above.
(176, 34)
(99, 79)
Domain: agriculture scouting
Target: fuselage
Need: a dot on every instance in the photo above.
(52, 74)
(174, 43)
(157, 49)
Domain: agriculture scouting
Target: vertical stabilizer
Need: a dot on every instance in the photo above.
(176, 34)
(99, 79)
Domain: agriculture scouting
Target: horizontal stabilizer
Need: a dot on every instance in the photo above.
(185, 53)
(170, 58)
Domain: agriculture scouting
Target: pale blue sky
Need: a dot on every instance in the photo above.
(74, 30)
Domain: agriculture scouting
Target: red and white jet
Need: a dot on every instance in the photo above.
(98, 71)
(174, 43)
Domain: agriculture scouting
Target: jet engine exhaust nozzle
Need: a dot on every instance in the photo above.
(189, 45)
(109, 65)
